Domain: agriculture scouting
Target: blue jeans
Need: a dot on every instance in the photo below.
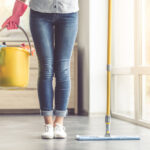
(54, 35)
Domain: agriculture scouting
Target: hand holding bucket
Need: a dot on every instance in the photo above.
(14, 66)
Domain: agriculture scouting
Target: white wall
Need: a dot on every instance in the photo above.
(92, 40)
(98, 55)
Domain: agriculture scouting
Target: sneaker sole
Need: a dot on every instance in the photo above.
(59, 137)
(47, 137)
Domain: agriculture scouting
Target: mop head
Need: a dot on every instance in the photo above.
(102, 138)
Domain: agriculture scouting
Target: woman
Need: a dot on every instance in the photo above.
(44, 15)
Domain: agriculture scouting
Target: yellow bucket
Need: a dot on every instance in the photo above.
(14, 65)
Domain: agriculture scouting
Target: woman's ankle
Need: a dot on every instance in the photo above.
(58, 120)
(48, 120)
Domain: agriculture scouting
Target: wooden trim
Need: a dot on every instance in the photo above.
(14, 43)
(138, 69)
(19, 111)
(28, 111)
(131, 70)
(17, 88)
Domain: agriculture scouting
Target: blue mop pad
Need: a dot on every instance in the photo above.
(102, 138)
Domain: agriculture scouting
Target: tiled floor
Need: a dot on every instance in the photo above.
(22, 132)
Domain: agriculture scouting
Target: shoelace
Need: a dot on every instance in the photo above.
(47, 127)
(60, 127)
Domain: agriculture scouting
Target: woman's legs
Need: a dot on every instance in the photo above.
(54, 60)
(42, 34)
(66, 29)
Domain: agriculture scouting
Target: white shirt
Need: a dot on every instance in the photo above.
(54, 6)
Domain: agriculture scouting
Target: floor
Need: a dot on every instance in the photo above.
(22, 132)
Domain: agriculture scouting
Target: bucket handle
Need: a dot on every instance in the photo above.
(31, 52)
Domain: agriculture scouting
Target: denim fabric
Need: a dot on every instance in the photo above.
(54, 6)
(54, 35)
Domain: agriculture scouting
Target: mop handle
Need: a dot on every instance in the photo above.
(109, 57)
(25, 35)
(108, 117)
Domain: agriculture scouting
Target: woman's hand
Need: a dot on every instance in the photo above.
(13, 21)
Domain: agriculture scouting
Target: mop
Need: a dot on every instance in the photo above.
(107, 135)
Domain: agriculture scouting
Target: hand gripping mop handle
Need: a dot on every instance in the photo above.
(31, 52)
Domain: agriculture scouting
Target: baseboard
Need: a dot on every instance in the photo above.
(102, 114)
(71, 111)
(83, 113)
(19, 111)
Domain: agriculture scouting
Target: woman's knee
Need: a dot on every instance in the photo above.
(46, 68)
(62, 70)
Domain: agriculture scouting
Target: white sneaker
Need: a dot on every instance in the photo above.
(59, 131)
(49, 133)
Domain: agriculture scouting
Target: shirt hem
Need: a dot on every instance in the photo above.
(48, 11)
